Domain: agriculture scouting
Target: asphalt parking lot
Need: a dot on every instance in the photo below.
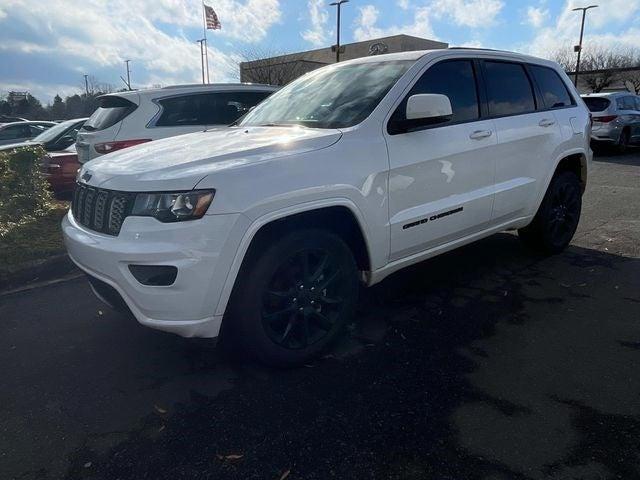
(485, 363)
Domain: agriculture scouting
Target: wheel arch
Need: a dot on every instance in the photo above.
(341, 216)
(576, 163)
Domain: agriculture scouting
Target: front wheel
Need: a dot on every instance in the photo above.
(557, 219)
(293, 299)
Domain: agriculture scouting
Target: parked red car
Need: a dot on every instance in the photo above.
(61, 169)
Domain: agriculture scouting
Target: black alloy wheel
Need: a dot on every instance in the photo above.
(302, 303)
(294, 297)
(557, 218)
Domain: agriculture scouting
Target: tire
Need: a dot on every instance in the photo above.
(557, 219)
(623, 142)
(294, 298)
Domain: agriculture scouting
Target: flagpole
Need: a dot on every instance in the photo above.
(204, 31)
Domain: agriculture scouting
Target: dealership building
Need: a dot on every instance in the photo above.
(281, 69)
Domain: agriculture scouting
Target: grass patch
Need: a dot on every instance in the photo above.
(32, 241)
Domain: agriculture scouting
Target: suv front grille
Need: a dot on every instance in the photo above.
(101, 210)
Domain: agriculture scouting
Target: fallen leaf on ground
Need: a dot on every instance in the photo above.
(233, 456)
(87, 465)
(285, 474)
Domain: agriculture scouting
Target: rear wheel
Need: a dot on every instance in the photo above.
(293, 299)
(557, 219)
(623, 141)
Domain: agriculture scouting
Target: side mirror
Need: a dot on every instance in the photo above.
(66, 141)
(423, 110)
(430, 107)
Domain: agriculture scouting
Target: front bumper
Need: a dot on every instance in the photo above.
(201, 250)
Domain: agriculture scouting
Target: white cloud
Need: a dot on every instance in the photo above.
(536, 16)
(403, 4)
(469, 13)
(318, 33)
(367, 28)
(91, 35)
(566, 30)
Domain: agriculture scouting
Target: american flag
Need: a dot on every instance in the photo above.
(211, 18)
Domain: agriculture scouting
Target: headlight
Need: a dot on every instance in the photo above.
(173, 207)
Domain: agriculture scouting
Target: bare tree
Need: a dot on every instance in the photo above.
(565, 57)
(631, 78)
(258, 65)
(96, 87)
(603, 62)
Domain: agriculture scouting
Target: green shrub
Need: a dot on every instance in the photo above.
(24, 192)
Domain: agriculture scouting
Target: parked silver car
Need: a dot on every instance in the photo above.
(616, 118)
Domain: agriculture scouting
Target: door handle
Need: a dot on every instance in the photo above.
(480, 134)
(547, 122)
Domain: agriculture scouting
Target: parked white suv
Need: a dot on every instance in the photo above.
(344, 176)
(125, 119)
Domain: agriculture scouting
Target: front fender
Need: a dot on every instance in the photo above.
(259, 222)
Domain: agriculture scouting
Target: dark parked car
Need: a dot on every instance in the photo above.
(60, 168)
(18, 132)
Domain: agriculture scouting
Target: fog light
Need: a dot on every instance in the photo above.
(154, 275)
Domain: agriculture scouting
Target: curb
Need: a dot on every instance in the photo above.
(41, 271)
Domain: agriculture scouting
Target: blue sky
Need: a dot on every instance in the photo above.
(46, 46)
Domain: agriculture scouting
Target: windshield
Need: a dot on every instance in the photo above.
(596, 104)
(54, 131)
(331, 97)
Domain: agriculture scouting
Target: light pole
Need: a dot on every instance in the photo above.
(128, 74)
(579, 46)
(202, 45)
(127, 82)
(338, 4)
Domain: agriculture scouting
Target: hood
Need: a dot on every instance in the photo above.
(179, 163)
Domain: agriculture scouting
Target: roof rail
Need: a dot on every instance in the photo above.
(205, 85)
(483, 49)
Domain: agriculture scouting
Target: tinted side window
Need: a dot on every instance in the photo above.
(626, 103)
(508, 88)
(456, 80)
(554, 91)
(12, 132)
(220, 108)
(637, 103)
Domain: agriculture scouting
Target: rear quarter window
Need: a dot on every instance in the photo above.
(219, 108)
(596, 104)
(553, 89)
(111, 110)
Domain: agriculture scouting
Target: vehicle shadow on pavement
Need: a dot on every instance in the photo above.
(609, 155)
(484, 363)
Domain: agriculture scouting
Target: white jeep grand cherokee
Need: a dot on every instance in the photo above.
(344, 176)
